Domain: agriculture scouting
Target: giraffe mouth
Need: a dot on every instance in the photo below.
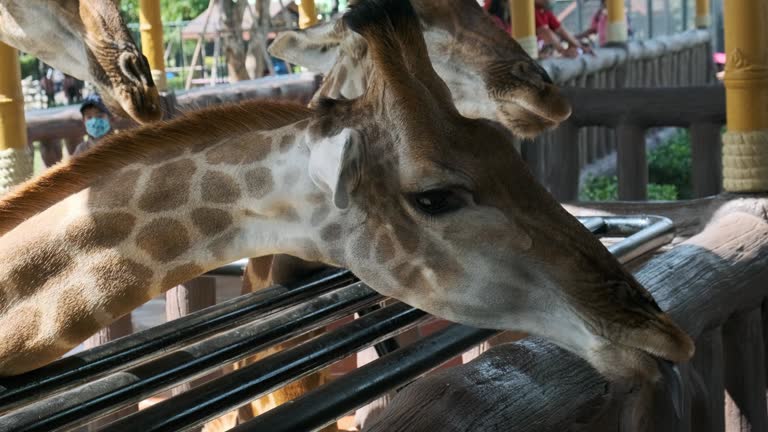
(522, 120)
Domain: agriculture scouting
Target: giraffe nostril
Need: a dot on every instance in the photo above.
(131, 66)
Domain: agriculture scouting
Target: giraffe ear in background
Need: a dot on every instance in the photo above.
(335, 165)
(315, 48)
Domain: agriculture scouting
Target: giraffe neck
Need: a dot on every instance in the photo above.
(106, 250)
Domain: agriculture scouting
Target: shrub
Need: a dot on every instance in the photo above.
(29, 66)
(606, 188)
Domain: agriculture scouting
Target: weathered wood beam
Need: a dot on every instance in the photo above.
(534, 386)
(647, 107)
(708, 411)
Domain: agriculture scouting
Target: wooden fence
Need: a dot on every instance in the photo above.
(681, 60)
(630, 112)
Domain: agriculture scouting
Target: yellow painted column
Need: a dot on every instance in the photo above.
(702, 14)
(15, 161)
(745, 145)
(151, 27)
(307, 13)
(524, 25)
(617, 22)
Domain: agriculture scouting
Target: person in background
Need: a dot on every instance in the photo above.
(599, 25)
(97, 121)
(498, 11)
(550, 33)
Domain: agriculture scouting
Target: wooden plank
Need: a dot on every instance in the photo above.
(563, 167)
(706, 159)
(535, 386)
(631, 162)
(745, 403)
(647, 107)
(708, 413)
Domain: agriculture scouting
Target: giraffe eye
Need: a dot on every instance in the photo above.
(437, 202)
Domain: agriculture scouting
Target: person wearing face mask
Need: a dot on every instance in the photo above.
(96, 118)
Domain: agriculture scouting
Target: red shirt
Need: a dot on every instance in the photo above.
(545, 17)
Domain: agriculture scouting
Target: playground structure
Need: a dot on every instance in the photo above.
(724, 334)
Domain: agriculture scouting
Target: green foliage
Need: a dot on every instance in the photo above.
(670, 164)
(669, 174)
(29, 66)
(171, 10)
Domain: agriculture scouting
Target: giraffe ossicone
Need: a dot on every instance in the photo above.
(88, 40)
(423, 204)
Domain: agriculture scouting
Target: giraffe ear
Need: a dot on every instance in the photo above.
(335, 165)
(315, 48)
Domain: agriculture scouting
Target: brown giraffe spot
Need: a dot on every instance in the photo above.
(410, 276)
(331, 232)
(163, 239)
(316, 198)
(168, 186)
(319, 214)
(116, 191)
(211, 221)
(286, 143)
(286, 212)
(20, 327)
(38, 265)
(406, 237)
(240, 152)
(76, 310)
(102, 229)
(337, 255)
(181, 274)
(219, 188)
(385, 248)
(259, 182)
(446, 267)
(219, 246)
(128, 283)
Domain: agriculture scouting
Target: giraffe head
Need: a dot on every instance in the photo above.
(88, 40)
(488, 73)
(439, 210)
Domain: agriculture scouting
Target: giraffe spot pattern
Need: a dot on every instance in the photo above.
(286, 212)
(286, 143)
(101, 229)
(169, 186)
(319, 215)
(219, 246)
(17, 334)
(220, 188)
(258, 182)
(128, 281)
(116, 191)
(181, 274)
(76, 310)
(38, 265)
(240, 152)
(385, 248)
(331, 232)
(211, 221)
(163, 239)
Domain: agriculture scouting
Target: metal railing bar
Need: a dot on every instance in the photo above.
(88, 365)
(122, 388)
(205, 402)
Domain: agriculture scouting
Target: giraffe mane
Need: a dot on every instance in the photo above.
(203, 126)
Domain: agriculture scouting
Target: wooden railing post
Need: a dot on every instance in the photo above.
(631, 161)
(745, 405)
(706, 159)
(708, 363)
(563, 171)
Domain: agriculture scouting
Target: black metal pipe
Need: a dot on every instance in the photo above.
(327, 403)
(655, 232)
(84, 367)
(202, 403)
(120, 389)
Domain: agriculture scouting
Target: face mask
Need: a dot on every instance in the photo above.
(97, 127)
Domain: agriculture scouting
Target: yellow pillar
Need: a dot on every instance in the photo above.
(702, 13)
(524, 25)
(745, 145)
(617, 22)
(151, 26)
(307, 13)
(15, 161)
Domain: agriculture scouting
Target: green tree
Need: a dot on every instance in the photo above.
(171, 10)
